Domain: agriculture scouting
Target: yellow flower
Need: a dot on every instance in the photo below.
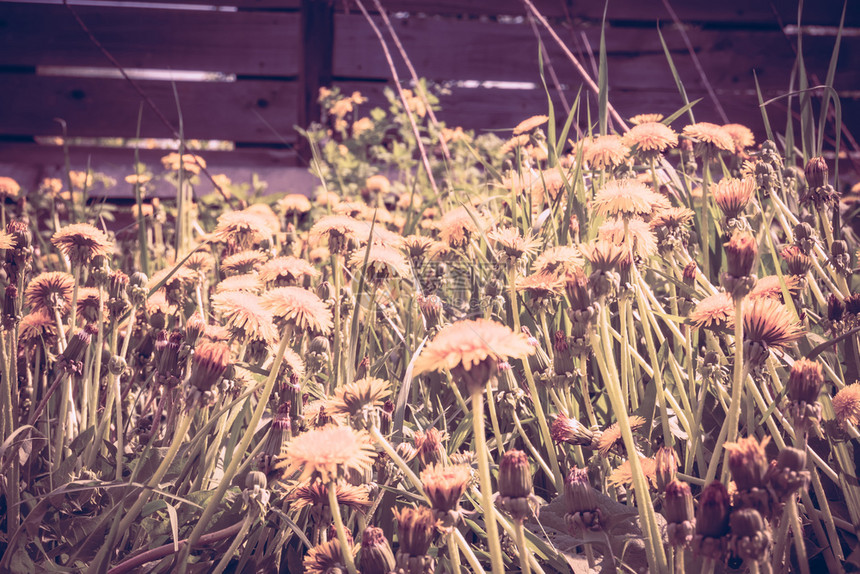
(770, 323)
(242, 262)
(9, 188)
(50, 290)
(294, 203)
(741, 135)
(299, 307)
(329, 452)
(628, 197)
(650, 138)
(382, 263)
(612, 435)
(846, 404)
(639, 239)
(351, 398)
(248, 282)
(458, 225)
(81, 242)
(285, 271)
(241, 229)
(623, 475)
(770, 286)
(605, 152)
(646, 118)
(529, 124)
(559, 260)
(711, 135)
(714, 311)
(732, 195)
(245, 315)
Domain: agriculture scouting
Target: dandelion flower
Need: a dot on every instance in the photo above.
(264, 212)
(382, 263)
(605, 255)
(88, 304)
(241, 230)
(717, 310)
(50, 290)
(541, 285)
(529, 124)
(770, 286)
(605, 152)
(710, 135)
(248, 282)
(637, 238)
(351, 398)
(329, 452)
(514, 143)
(327, 558)
(511, 245)
(314, 493)
(646, 118)
(199, 262)
(81, 242)
(457, 226)
(9, 188)
(846, 404)
(36, 327)
(337, 230)
(294, 204)
(741, 135)
(299, 307)
(612, 435)
(650, 139)
(242, 262)
(627, 198)
(7, 240)
(732, 195)
(286, 271)
(245, 315)
(623, 475)
(444, 486)
(559, 260)
(770, 323)
(417, 246)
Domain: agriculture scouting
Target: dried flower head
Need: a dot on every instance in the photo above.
(627, 198)
(375, 556)
(81, 242)
(245, 315)
(37, 327)
(49, 291)
(299, 307)
(846, 404)
(428, 446)
(416, 528)
(329, 452)
(208, 364)
(748, 462)
(571, 431)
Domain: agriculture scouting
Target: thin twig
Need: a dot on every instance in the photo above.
(176, 135)
(548, 63)
(576, 64)
(396, 78)
(696, 62)
(414, 75)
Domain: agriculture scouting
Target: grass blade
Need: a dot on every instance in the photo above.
(603, 77)
(677, 77)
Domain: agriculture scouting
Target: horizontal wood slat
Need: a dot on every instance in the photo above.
(232, 5)
(97, 107)
(252, 43)
(736, 12)
(472, 50)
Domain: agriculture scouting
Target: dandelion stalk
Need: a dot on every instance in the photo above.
(522, 547)
(486, 485)
(334, 506)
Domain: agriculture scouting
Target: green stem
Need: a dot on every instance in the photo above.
(706, 232)
(486, 485)
(522, 547)
(737, 385)
(346, 551)
(453, 553)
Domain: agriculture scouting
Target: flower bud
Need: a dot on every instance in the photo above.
(689, 274)
(515, 475)
(750, 538)
(208, 364)
(712, 520)
(804, 237)
(571, 431)
(805, 381)
(578, 492)
(257, 479)
(667, 466)
(741, 252)
(678, 510)
(431, 308)
(375, 556)
(835, 309)
(416, 528)
(817, 172)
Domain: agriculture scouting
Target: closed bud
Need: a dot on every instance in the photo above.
(208, 364)
(667, 466)
(712, 520)
(562, 355)
(256, 479)
(817, 172)
(431, 308)
(10, 307)
(805, 381)
(804, 237)
(678, 510)
(515, 475)
(578, 492)
(375, 556)
(689, 275)
(750, 537)
(741, 252)
(571, 431)
(416, 528)
(195, 326)
(835, 309)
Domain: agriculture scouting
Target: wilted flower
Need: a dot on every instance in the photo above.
(712, 522)
(571, 431)
(49, 291)
(581, 501)
(678, 509)
(416, 528)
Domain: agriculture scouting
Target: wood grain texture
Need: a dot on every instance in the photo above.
(268, 5)
(98, 107)
(446, 49)
(251, 43)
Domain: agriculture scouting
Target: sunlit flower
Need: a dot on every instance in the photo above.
(741, 135)
(315, 493)
(337, 230)
(770, 286)
(444, 486)
(267, 214)
(541, 285)
(326, 198)
(458, 225)
(623, 475)
(672, 218)
(329, 453)
(294, 204)
(242, 262)
(559, 260)
(36, 327)
(351, 398)
(770, 323)
(174, 283)
(241, 229)
(285, 271)
(247, 282)
(529, 124)
(646, 118)
(300, 308)
(245, 315)
(9, 188)
(382, 263)
(50, 290)
(326, 558)
(417, 246)
(189, 162)
(605, 152)
(80, 242)
(732, 195)
(377, 184)
(846, 404)
(716, 310)
(199, 262)
(511, 245)
(605, 255)
(637, 238)
(612, 435)
(711, 135)
(88, 305)
(627, 198)
(650, 139)
(466, 344)
(514, 143)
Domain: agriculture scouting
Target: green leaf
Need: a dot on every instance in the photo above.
(675, 75)
(603, 77)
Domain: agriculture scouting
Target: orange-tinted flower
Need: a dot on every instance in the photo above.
(9, 188)
(529, 124)
(315, 493)
(650, 138)
(770, 286)
(242, 262)
(612, 435)
(846, 404)
(541, 285)
(605, 255)
(80, 242)
(627, 198)
(457, 226)
(465, 344)
(326, 558)
(382, 263)
(769, 322)
(623, 475)
(299, 307)
(36, 327)
(247, 282)
(329, 453)
(294, 204)
(732, 195)
(711, 135)
(241, 229)
(605, 152)
(559, 260)
(741, 135)
(646, 118)
(445, 486)
(337, 230)
(717, 310)
(245, 315)
(511, 245)
(351, 398)
(285, 271)
(638, 238)
(50, 290)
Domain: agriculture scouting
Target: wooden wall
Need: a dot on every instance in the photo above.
(276, 53)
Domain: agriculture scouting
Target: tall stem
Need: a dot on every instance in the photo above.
(737, 383)
(334, 506)
(706, 231)
(522, 547)
(486, 485)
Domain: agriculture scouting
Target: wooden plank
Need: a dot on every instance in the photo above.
(734, 12)
(250, 43)
(228, 5)
(246, 110)
(446, 49)
(317, 32)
